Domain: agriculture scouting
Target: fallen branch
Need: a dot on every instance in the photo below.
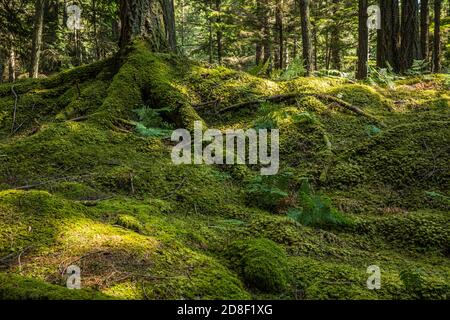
(293, 96)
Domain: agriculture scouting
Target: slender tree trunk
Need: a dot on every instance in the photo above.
(267, 41)
(211, 39)
(363, 41)
(306, 36)
(219, 33)
(94, 26)
(437, 36)
(424, 26)
(37, 38)
(335, 42)
(410, 44)
(12, 64)
(279, 34)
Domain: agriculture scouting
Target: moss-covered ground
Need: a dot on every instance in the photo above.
(79, 185)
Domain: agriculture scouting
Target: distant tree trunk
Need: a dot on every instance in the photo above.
(363, 41)
(279, 34)
(410, 44)
(2, 64)
(37, 38)
(437, 36)
(219, 33)
(388, 41)
(335, 42)
(267, 41)
(306, 36)
(169, 23)
(94, 27)
(210, 40)
(12, 64)
(142, 18)
(424, 26)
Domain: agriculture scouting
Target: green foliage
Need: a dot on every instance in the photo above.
(129, 222)
(419, 67)
(315, 210)
(261, 263)
(383, 77)
(295, 69)
(412, 279)
(268, 191)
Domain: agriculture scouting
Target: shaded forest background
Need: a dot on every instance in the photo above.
(276, 38)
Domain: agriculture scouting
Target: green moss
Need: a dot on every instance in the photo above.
(129, 222)
(13, 287)
(261, 262)
(361, 96)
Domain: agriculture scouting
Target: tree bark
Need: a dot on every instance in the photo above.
(219, 33)
(169, 23)
(335, 42)
(424, 25)
(37, 38)
(12, 64)
(437, 36)
(363, 41)
(306, 36)
(279, 34)
(410, 44)
(142, 19)
(388, 41)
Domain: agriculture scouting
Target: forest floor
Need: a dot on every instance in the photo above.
(86, 179)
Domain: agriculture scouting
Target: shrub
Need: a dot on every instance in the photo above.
(268, 191)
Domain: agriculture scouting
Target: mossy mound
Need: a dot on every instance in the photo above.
(361, 96)
(262, 264)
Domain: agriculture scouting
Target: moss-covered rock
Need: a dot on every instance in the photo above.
(262, 264)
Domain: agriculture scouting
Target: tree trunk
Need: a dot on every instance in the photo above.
(363, 41)
(12, 64)
(335, 42)
(37, 38)
(219, 32)
(424, 25)
(410, 44)
(169, 23)
(279, 34)
(388, 41)
(437, 36)
(306, 36)
(267, 41)
(142, 19)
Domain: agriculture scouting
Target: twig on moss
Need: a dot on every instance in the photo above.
(176, 189)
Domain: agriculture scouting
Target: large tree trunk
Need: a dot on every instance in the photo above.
(424, 25)
(363, 41)
(142, 19)
(37, 38)
(437, 36)
(169, 23)
(410, 44)
(388, 41)
(306, 36)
